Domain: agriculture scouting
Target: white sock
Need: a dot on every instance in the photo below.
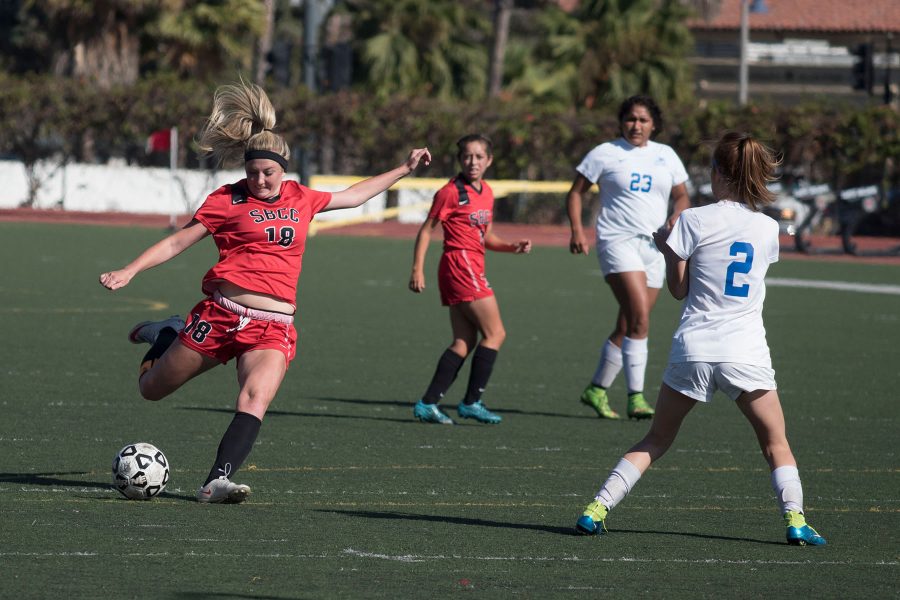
(788, 489)
(634, 353)
(623, 477)
(609, 365)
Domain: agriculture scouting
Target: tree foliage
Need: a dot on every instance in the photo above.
(437, 48)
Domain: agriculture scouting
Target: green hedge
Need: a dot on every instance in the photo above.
(349, 133)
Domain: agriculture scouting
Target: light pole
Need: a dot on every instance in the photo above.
(747, 7)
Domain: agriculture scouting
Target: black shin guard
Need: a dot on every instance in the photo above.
(445, 374)
(235, 446)
(482, 365)
(164, 339)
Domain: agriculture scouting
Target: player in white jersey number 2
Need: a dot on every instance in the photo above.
(717, 257)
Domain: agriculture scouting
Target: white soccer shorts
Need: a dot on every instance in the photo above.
(700, 380)
(634, 254)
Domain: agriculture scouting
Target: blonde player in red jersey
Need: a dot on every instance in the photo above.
(259, 225)
(464, 208)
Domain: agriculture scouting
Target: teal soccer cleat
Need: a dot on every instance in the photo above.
(593, 520)
(430, 413)
(479, 412)
(799, 533)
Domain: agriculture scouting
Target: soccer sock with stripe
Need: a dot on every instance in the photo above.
(788, 489)
(235, 446)
(621, 480)
(447, 368)
(634, 355)
(482, 365)
(609, 365)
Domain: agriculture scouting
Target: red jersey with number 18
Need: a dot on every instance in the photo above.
(260, 242)
(465, 214)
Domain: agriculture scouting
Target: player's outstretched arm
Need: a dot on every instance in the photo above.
(359, 193)
(423, 238)
(156, 254)
(494, 242)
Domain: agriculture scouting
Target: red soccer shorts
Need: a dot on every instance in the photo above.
(461, 277)
(215, 331)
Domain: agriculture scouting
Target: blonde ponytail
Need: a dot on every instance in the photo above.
(242, 119)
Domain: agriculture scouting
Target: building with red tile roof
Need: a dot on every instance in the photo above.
(804, 16)
(799, 48)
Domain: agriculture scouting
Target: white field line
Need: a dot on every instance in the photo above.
(418, 558)
(844, 286)
(622, 559)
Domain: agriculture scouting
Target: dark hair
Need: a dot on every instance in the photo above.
(651, 106)
(747, 166)
(465, 140)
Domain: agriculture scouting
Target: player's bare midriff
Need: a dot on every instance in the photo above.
(250, 299)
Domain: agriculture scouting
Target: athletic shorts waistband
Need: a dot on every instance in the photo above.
(252, 313)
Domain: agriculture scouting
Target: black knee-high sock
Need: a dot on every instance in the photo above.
(164, 339)
(235, 446)
(445, 374)
(482, 365)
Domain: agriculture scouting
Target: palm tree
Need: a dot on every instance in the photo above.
(607, 50)
(542, 63)
(95, 41)
(433, 47)
(634, 46)
(502, 10)
(200, 38)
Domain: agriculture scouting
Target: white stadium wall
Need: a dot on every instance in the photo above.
(148, 190)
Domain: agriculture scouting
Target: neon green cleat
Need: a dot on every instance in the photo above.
(593, 520)
(595, 397)
(638, 408)
(799, 533)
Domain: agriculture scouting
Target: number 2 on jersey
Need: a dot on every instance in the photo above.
(739, 266)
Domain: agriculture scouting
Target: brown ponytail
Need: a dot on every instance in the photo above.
(747, 165)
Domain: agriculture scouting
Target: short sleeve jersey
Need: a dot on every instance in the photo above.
(465, 214)
(635, 185)
(260, 242)
(729, 248)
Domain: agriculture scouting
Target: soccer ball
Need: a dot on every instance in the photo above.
(140, 471)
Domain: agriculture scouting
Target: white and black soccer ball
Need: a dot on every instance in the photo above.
(140, 471)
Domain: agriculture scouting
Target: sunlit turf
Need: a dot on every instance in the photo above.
(353, 498)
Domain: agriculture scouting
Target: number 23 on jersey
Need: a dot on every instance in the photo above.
(640, 183)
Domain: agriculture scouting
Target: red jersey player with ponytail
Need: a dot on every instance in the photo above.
(259, 225)
(464, 208)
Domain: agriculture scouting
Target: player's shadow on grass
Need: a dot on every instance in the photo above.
(55, 480)
(404, 404)
(293, 413)
(569, 531)
(220, 594)
(51, 479)
(409, 405)
(366, 514)
(704, 536)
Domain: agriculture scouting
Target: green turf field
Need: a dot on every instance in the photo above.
(353, 498)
